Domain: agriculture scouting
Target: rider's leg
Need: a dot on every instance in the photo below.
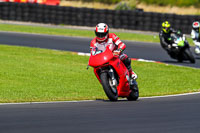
(197, 49)
(127, 62)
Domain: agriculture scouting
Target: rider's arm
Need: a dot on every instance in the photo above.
(194, 38)
(176, 31)
(92, 44)
(173, 30)
(120, 45)
(193, 35)
(163, 43)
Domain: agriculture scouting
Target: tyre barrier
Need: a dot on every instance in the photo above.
(126, 19)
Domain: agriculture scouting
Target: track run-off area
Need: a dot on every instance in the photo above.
(171, 114)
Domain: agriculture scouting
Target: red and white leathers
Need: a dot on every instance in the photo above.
(195, 35)
(115, 45)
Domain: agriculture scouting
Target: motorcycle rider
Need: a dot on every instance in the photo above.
(195, 36)
(165, 37)
(104, 38)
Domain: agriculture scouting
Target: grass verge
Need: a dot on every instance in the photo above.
(78, 33)
(32, 74)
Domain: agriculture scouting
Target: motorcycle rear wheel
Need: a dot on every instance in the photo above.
(134, 92)
(110, 91)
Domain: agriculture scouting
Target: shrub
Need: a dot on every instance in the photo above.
(103, 1)
(126, 5)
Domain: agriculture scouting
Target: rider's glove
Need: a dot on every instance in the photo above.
(169, 46)
(117, 52)
(178, 32)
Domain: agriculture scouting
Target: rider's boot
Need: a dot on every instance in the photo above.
(132, 74)
(127, 62)
(133, 77)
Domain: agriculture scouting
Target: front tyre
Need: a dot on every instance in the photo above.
(134, 92)
(189, 55)
(109, 89)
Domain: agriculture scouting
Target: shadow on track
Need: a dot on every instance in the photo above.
(119, 100)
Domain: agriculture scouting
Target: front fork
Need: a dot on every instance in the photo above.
(113, 78)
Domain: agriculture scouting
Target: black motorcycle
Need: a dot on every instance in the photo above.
(180, 48)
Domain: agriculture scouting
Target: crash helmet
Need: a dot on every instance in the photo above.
(101, 32)
(195, 25)
(166, 27)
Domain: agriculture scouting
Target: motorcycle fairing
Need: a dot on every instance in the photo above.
(100, 59)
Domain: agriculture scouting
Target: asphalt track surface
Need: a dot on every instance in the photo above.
(149, 51)
(159, 115)
(179, 114)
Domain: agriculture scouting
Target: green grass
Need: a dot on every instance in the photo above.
(74, 32)
(179, 3)
(79, 33)
(32, 74)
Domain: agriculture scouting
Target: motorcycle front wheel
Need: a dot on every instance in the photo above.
(109, 89)
(189, 55)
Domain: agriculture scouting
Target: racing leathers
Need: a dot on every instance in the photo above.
(165, 39)
(117, 47)
(196, 39)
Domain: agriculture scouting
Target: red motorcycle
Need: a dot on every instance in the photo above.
(113, 75)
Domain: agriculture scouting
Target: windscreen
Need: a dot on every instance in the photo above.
(96, 51)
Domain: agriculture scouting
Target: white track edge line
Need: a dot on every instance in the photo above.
(184, 94)
(51, 102)
(153, 97)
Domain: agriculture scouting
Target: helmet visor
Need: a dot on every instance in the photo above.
(101, 35)
(166, 29)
